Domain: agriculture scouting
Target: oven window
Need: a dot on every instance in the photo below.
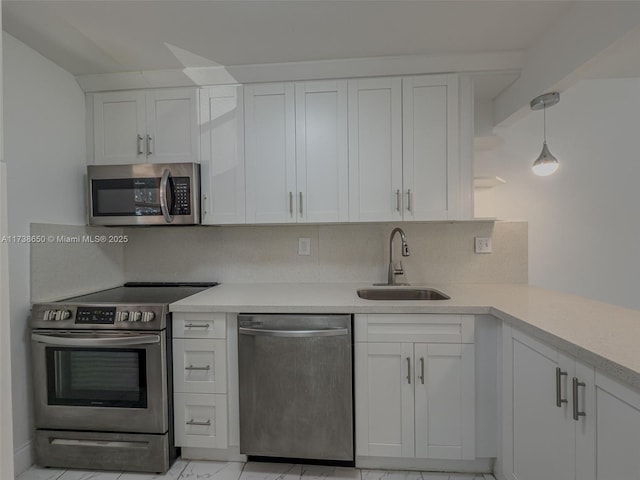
(102, 377)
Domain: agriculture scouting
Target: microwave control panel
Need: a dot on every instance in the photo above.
(182, 191)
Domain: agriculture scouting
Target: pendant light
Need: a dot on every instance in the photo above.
(546, 163)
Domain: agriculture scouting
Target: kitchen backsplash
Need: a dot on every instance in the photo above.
(72, 260)
(79, 259)
(439, 253)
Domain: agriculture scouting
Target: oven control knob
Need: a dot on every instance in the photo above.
(60, 315)
(48, 315)
(134, 316)
(148, 316)
(122, 316)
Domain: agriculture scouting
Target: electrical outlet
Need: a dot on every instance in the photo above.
(304, 246)
(483, 245)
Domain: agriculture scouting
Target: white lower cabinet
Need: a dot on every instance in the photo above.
(415, 399)
(200, 380)
(548, 412)
(617, 454)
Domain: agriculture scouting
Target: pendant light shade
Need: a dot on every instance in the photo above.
(546, 163)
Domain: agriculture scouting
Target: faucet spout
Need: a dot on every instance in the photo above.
(393, 271)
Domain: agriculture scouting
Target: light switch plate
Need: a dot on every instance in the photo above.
(304, 246)
(483, 245)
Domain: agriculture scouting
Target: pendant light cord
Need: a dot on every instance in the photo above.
(544, 122)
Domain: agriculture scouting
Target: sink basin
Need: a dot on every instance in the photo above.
(395, 293)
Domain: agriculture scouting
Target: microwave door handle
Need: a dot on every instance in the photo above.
(164, 202)
(76, 341)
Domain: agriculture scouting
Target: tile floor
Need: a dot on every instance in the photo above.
(200, 470)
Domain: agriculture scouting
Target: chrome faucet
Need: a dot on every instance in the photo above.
(393, 271)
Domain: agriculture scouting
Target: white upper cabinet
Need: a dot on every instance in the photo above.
(430, 175)
(120, 127)
(153, 126)
(404, 148)
(322, 167)
(270, 153)
(375, 149)
(222, 148)
(296, 152)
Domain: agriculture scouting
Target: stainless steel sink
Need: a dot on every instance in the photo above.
(401, 294)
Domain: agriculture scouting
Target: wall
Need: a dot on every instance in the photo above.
(584, 222)
(440, 253)
(68, 264)
(44, 131)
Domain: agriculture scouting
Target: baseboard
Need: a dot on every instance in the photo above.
(23, 458)
(231, 454)
(480, 465)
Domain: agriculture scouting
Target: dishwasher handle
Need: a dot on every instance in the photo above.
(323, 332)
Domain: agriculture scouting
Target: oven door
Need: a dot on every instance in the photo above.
(106, 381)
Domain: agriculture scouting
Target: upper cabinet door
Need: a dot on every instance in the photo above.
(222, 164)
(430, 147)
(270, 153)
(119, 123)
(321, 151)
(172, 125)
(375, 149)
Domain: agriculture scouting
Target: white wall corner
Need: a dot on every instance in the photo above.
(578, 42)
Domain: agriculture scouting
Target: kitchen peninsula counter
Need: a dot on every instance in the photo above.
(603, 335)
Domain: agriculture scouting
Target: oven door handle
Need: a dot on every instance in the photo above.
(66, 340)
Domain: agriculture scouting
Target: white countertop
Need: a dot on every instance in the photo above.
(603, 335)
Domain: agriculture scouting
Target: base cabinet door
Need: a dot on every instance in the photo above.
(618, 430)
(384, 399)
(444, 401)
(548, 412)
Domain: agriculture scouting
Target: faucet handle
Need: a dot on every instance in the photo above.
(398, 271)
(405, 249)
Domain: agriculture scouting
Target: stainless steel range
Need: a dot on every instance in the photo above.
(102, 378)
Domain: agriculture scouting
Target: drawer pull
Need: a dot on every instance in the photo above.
(191, 367)
(200, 424)
(197, 325)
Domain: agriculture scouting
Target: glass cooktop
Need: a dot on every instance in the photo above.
(144, 292)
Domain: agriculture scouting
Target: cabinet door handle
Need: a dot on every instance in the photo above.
(139, 144)
(203, 424)
(300, 204)
(576, 409)
(196, 325)
(291, 204)
(409, 370)
(409, 199)
(191, 367)
(398, 200)
(149, 140)
(559, 399)
(421, 377)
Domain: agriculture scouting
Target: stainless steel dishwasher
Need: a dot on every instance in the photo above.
(296, 388)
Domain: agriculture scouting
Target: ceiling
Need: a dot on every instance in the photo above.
(98, 36)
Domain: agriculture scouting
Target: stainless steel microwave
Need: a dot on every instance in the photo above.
(144, 194)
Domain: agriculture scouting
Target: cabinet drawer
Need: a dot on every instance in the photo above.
(199, 365)
(199, 325)
(200, 420)
(425, 328)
